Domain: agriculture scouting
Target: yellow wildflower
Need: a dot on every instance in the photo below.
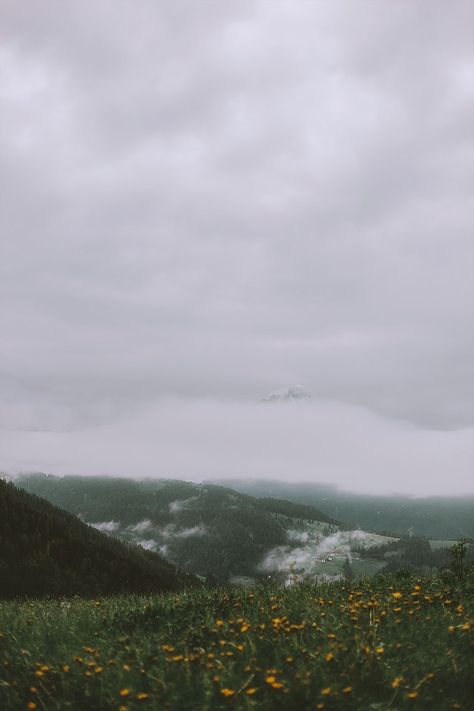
(227, 692)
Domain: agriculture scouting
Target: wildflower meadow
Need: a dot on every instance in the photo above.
(385, 643)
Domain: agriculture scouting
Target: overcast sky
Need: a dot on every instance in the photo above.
(204, 202)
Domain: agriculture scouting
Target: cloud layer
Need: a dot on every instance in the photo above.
(216, 200)
(329, 442)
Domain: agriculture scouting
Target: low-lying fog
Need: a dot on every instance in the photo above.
(314, 549)
(309, 440)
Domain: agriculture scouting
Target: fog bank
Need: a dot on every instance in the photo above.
(201, 439)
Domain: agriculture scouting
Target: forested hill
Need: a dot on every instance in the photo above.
(204, 529)
(289, 508)
(47, 551)
(105, 498)
(441, 517)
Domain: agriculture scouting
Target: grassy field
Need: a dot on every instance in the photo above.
(366, 567)
(378, 644)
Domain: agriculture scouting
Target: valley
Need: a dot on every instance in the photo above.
(434, 517)
(220, 534)
(224, 600)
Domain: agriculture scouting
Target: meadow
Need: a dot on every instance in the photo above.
(385, 643)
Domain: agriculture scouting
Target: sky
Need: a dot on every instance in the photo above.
(202, 203)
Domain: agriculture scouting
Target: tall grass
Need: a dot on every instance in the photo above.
(379, 644)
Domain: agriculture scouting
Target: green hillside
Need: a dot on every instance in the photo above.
(205, 529)
(295, 510)
(216, 532)
(46, 551)
(437, 517)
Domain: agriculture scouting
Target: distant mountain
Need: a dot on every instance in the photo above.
(435, 517)
(46, 551)
(204, 529)
(293, 394)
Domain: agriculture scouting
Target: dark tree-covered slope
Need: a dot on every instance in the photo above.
(205, 529)
(47, 551)
(442, 517)
(289, 508)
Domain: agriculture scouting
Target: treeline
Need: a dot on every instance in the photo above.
(441, 517)
(204, 529)
(47, 551)
(104, 498)
(412, 554)
(234, 543)
(299, 511)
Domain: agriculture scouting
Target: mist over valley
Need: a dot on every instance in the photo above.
(217, 533)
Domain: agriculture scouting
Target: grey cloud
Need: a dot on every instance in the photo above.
(216, 200)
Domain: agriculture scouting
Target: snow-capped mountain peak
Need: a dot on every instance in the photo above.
(293, 394)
